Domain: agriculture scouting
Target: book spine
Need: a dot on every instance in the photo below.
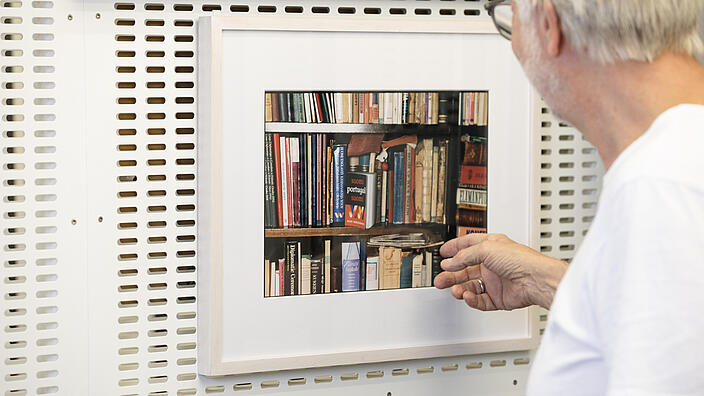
(323, 180)
(289, 183)
(309, 181)
(443, 107)
(471, 217)
(442, 165)
(382, 107)
(372, 278)
(437, 259)
(436, 103)
(362, 106)
(418, 189)
(370, 204)
(428, 262)
(340, 153)
(412, 192)
(399, 192)
(384, 192)
(319, 180)
(267, 278)
(267, 198)
(306, 275)
(295, 116)
(339, 118)
(434, 191)
(314, 180)
(268, 115)
(282, 107)
(408, 165)
(291, 267)
(404, 108)
(406, 276)
(329, 195)
(388, 108)
(296, 172)
(275, 107)
(417, 277)
(378, 173)
(412, 108)
(303, 202)
(328, 273)
(375, 108)
(284, 183)
(355, 197)
(316, 276)
(390, 198)
(350, 266)
(355, 108)
(464, 230)
(282, 277)
(277, 172)
(466, 196)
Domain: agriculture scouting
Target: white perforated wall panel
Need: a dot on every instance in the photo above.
(98, 203)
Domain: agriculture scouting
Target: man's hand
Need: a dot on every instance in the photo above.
(514, 275)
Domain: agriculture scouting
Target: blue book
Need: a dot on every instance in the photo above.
(339, 159)
(350, 266)
(399, 177)
(364, 163)
(407, 270)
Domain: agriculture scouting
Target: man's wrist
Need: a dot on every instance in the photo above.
(546, 277)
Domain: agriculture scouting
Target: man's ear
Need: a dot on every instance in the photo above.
(551, 29)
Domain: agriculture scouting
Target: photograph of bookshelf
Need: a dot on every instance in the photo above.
(362, 188)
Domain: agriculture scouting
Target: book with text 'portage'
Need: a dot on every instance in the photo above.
(350, 266)
(360, 200)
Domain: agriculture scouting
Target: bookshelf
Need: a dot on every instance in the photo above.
(409, 158)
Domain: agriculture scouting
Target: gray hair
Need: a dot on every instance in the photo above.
(618, 30)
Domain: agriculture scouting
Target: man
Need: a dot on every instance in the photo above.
(628, 315)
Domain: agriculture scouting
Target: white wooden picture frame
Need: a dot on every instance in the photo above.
(242, 57)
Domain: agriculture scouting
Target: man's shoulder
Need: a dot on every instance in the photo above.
(670, 151)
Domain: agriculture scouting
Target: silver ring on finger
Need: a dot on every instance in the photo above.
(481, 286)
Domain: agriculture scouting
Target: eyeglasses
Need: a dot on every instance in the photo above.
(502, 15)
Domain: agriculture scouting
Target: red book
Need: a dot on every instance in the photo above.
(390, 197)
(289, 184)
(368, 117)
(318, 105)
(473, 174)
(277, 169)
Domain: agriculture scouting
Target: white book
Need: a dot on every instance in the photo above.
(476, 108)
(328, 103)
(480, 109)
(461, 116)
(429, 114)
(424, 274)
(434, 191)
(428, 268)
(381, 108)
(417, 277)
(350, 106)
(388, 108)
(306, 107)
(395, 112)
(304, 279)
(327, 266)
(372, 274)
(338, 107)
(284, 191)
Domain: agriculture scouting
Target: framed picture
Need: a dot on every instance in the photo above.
(243, 61)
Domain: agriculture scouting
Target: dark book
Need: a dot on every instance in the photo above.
(336, 278)
(301, 108)
(283, 107)
(291, 110)
(292, 265)
(406, 280)
(339, 176)
(316, 276)
(471, 217)
(324, 106)
(437, 259)
(379, 174)
(314, 180)
(270, 219)
(323, 180)
(444, 107)
(399, 182)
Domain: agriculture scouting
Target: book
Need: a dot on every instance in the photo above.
(428, 263)
(372, 281)
(291, 270)
(360, 197)
(418, 185)
(275, 107)
(314, 181)
(273, 277)
(296, 181)
(305, 277)
(407, 183)
(472, 175)
(471, 217)
(406, 275)
(350, 266)
(289, 183)
(434, 110)
(303, 185)
(437, 259)
(443, 107)
(464, 230)
(327, 272)
(398, 187)
(427, 178)
(466, 196)
(318, 180)
(417, 275)
(267, 278)
(316, 284)
(323, 181)
(268, 114)
(284, 183)
(277, 173)
(442, 174)
(280, 281)
(339, 157)
(390, 264)
(384, 191)
(434, 186)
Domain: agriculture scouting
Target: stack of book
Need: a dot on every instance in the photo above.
(425, 108)
(473, 108)
(386, 262)
(312, 180)
(472, 189)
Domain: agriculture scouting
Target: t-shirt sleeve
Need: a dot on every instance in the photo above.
(649, 291)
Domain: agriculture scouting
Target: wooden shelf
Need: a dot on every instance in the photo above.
(426, 228)
(301, 127)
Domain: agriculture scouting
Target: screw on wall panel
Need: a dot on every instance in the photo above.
(97, 16)
(388, 393)
(70, 17)
(100, 219)
(515, 382)
(73, 221)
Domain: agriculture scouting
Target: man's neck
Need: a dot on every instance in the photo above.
(619, 102)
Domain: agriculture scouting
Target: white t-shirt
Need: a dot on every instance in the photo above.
(628, 316)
